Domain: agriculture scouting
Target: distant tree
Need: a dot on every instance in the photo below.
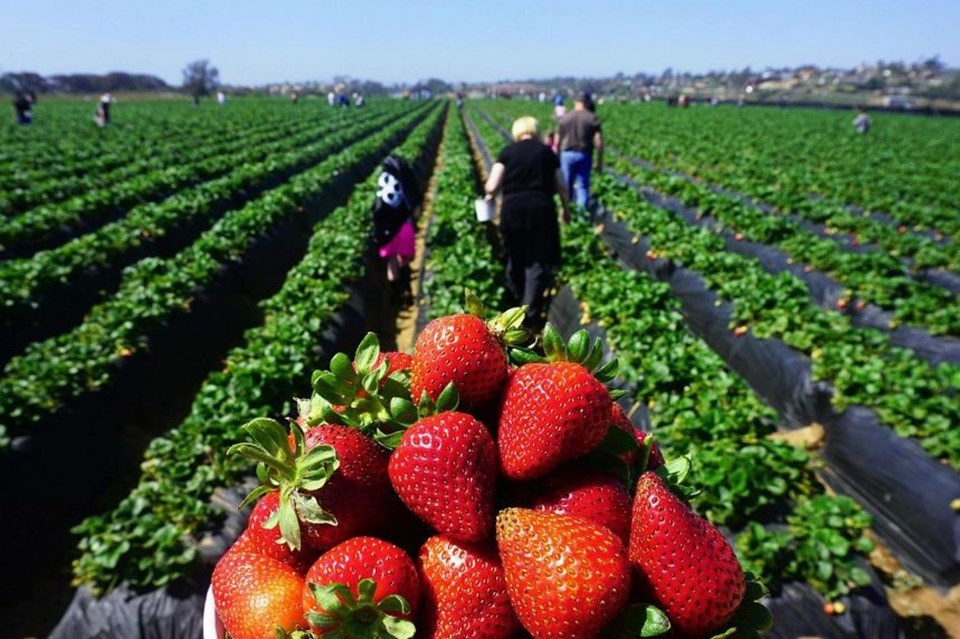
(434, 86)
(934, 65)
(200, 78)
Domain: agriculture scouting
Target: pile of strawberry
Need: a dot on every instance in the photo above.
(477, 489)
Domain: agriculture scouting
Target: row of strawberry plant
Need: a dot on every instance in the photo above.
(911, 396)
(37, 188)
(63, 134)
(64, 142)
(903, 167)
(151, 537)
(48, 226)
(873, 277)
(460, 252)
(51, 373)
(758, 172)
(26, 284)
(698, 407)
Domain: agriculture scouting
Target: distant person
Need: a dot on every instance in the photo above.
(22, 108)
(862, 122)
(528, 173)
(221, 98)
(395, 207)
(559, 108)
(295, 97)
(579, 134)
(102, 116)
(359, 100)
(331, 98)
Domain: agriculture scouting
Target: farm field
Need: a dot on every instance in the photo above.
(782, 296)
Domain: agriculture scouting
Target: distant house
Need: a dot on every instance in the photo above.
(897, 102)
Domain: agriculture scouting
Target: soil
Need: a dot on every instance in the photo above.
(926, 612)
(407, 317)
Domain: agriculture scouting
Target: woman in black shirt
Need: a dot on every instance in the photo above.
(528, 173)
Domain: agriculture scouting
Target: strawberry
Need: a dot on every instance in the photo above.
(597, 497)
(357, 584)
(681, 562)
(445, 471)
(567, 577)
(464, 592)
(332, 487)
(620, 420)
(266, 541)
(255, 594)
(464, 350)
(554, 412)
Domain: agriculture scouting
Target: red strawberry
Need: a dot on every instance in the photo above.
(621, 421)
(551, 414)
(358, 493)
(347, 565)
(596, 497)
(459, 349)
(567, 577)
(681, 562)
(333, 486)
(255, 594)
(445, 471)
(265, 541)
(464, 592)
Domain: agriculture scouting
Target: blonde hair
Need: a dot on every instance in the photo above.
(527, 125)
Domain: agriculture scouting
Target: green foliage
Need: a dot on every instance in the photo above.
(151, 537)
(823, 537)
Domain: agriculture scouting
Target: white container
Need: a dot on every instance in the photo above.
(486, 210)
(212, 628)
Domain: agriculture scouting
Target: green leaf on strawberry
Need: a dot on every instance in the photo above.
(290, 472)
(640, 620)
(347, 617)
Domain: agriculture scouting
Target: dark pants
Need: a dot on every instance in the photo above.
(529, 283)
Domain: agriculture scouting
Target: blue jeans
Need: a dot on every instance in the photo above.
(576, 170)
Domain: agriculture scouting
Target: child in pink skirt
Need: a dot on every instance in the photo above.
(394, 209)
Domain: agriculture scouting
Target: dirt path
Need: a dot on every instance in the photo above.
(407, 317)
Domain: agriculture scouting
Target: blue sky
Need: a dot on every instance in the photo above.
(259, 41)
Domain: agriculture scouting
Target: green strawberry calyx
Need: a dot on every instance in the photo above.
(637, 621)
(295, 473)
(344, 616)
(507, 327)
(356, 393)
(404, 414)
(579, 350)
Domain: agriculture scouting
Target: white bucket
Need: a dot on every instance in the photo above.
(212, 628)
(486, 210)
